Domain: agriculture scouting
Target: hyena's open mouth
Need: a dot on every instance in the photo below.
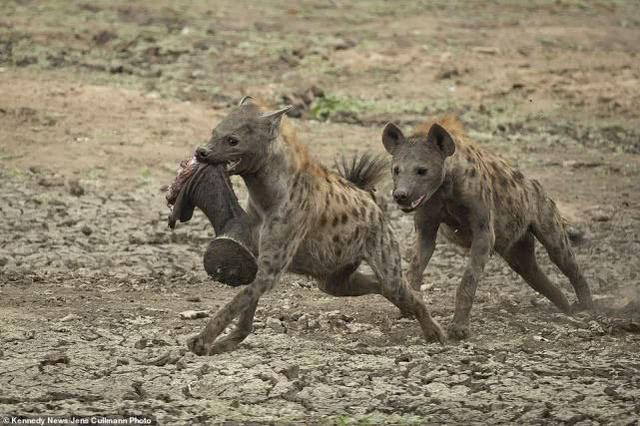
(414, 205)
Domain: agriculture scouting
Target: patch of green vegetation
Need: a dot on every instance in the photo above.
(324, 108)
(13, 172)
(145, 174)
(93, 175)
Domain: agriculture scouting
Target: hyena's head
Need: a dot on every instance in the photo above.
(418, 163)
(242, 138)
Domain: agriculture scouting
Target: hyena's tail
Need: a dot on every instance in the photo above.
(364, 171)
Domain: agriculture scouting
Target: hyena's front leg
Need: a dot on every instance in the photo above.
(280, 238)
(426, 226)
(383, 256)
(481, 246)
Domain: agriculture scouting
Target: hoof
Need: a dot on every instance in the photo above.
(458, 332)
(230, 262)
(197, 346)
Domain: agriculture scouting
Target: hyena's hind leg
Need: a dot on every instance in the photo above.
(549, 230)
(522, 259)
(382, 253)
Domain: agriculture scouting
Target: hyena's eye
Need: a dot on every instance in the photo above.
(421, 171)
(396, 170)
(231, 140)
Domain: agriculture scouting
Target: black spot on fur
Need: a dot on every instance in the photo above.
(335, 221)
(536, 185)
(323, 220)
(504, 182)
(472, 172)
(336, 238)
(345, 218)
(518, 176)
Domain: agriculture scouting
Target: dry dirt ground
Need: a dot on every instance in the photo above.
(99, 100)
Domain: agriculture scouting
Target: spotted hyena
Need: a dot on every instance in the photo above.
(481, 203)
(307, 219)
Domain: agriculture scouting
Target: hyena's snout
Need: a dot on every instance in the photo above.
(401, 196)
(203, 154)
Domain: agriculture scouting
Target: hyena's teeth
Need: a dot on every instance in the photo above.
(417, 202)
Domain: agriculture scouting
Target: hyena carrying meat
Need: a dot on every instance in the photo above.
(307, 220)
(482, 204)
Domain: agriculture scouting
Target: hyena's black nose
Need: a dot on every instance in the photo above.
(201, 153)
(400, 196)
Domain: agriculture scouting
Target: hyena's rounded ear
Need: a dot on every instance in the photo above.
(442, 138)
(245, 100)
(274, 118)
(392, 137)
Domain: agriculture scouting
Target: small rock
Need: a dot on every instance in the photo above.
(50, 181)
(70, 317)
(596, 328)
(137, 238)
(344, 44)
(75, 188)
(3, 261)
(486, 50)
(402, 358)
(104, 37)
(122, 361)
(140, 344)
(86, 230)
(447, 74)
(313, 324)
(275, 325)
(575, 234)
(188, 315)
(194, 299)
(601, 216)
(291, 372)
(168, 357)
(54, 358)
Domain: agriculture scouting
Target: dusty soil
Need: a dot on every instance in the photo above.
(100, 100)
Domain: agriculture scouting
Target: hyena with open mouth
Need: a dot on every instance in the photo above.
(481, 203)
(307, 220)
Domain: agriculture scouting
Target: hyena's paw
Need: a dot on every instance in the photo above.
(197, 345)
(227, 343)
(433, 332)
(458, 331)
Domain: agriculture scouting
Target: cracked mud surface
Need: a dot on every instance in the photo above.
(94, 119)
